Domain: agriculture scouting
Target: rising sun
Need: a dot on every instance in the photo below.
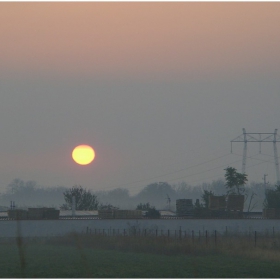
(83, 154)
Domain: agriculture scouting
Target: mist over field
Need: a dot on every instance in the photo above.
(30, 194)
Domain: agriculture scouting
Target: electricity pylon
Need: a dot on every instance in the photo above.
(263, 137)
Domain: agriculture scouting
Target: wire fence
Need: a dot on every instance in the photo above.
(201, 235)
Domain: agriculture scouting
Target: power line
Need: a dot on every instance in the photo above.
(215, 176)
(170, 173)
(253, 157)
(193, 174)
(203, 171)
(170, 180)
(209, 177)
(186, 176)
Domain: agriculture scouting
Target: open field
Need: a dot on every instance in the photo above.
(83, 256)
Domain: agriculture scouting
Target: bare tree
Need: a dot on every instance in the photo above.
(85, 200)
(250, 208)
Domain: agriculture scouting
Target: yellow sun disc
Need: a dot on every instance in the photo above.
(83, 154)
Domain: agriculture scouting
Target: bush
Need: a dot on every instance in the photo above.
(153, 213)
(272, 198)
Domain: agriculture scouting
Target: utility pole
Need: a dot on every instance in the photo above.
(264, 180)
(168, 200)
(276, 156)
(244, 152)
(263, 137)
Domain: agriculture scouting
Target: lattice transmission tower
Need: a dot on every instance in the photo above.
(260, 138)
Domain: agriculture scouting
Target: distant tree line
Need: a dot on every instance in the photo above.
(30, 194)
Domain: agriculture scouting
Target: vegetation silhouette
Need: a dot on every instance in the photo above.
(30, 194)
(272, 198)
(235, 181)
(84, 199)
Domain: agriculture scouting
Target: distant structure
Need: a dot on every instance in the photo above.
(168, 200)
(184, 207)
(44, 213)
(262, 137)
(12, 205)
(265, 183)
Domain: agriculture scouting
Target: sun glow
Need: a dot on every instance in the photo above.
(83, 154)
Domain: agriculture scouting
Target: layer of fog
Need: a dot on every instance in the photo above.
(30, 194)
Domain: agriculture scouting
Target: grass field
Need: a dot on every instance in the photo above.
(82, 256)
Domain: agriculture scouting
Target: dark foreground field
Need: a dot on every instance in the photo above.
(80, 256)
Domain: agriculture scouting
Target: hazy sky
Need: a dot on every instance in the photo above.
(154, 88)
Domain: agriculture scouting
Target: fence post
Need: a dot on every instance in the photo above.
(180, 233)
(215, 237)
(192, 236)
(206, 237)
(199, 235)
(255, 238)
(168, 233)
(273, 231)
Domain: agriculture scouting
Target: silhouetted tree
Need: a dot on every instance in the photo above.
(17, 186)
(156, 193)
(107, 207)
(205, 198)
(235, 181)
(143, 206)
(272, 198)
(250, 208)
(153, 213)
(30, 194)
(85, 200)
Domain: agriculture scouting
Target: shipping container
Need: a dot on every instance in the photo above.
(235, 203)
(43, 213)
(106, 214)
(184, 207)
(127, 214)
(120, 214)
(18, 214)
(271, 213)
(217, 202)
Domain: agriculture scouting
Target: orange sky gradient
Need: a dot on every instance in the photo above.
(139, 39)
